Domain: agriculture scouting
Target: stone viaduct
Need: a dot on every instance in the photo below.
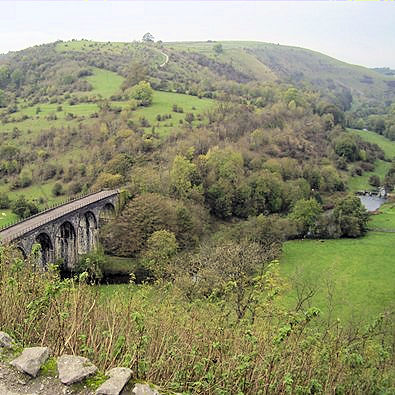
(64, 232)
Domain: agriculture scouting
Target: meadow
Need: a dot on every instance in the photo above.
(386, 145)
(351, 278)
(358, 183)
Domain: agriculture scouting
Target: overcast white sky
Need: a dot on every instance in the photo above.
(359, 32)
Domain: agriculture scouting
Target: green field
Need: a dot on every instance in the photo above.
(90, 46)
(359, 183)
(385, 219)
(385, 144)
(162, 104)
(358, 273)
(105, 83)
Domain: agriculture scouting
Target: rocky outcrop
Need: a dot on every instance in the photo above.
(73, 369)
(31, 360)
(118, 378)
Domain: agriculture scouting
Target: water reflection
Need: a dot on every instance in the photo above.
(372, 203)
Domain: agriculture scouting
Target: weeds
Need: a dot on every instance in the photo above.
(195, 346)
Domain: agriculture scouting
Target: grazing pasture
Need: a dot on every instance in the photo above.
(350, 278)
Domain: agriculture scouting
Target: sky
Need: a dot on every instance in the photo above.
(358, 32)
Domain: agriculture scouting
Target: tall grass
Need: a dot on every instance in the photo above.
(195, 347)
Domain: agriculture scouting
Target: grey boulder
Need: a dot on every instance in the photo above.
(31, 360)
(144, 389)
(73, 369)
(5, 340)
(118, 378)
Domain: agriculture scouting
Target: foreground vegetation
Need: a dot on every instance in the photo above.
(198, 346)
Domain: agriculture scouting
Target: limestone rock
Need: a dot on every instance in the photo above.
(31, 360)
(118, 378)
(73, 369)
(5, 340)
(144, 389)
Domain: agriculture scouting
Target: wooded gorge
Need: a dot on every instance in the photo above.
(223, 165)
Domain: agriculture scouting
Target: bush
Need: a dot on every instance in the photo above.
(57, 189)
(351, 216)
(24, 208)
(107, 180)
(374, 180)
(142, 92)
(305, 213)
(160, 250)
(4, 201)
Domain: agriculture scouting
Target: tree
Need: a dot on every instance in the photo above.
(189, 117)
(161, 248)
(352, 217)
(23, 208)
(57, 189)
(374, 180)
(182, 175)
(2, 99)
(267, 192)
(233, 271)
(305, 213)
(144, 215)
(137, 73)
(148, 38)
(142, 92)
(4, 201)
(107, 180)
(347, 147)
(218, 49)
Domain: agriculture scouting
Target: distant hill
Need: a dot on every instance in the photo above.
(198, 63)
(270, 62)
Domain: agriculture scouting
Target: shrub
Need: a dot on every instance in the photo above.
(4, 201)
(142, 92)
(57, 189)
(351, 216)
(374, 180)
(23, 208)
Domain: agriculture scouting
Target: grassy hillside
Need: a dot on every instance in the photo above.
(385, 144)
(104, 82)
(30, 123)
(358, 183)
(270, 61)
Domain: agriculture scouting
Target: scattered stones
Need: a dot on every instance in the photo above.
(118, 377)
(73, 369)
(31, 360)
(6, 340)
(144, 389)
(5, 391)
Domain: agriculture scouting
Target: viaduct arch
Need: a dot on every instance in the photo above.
(64, 232)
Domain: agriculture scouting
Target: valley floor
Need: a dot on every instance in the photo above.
(350, 278)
